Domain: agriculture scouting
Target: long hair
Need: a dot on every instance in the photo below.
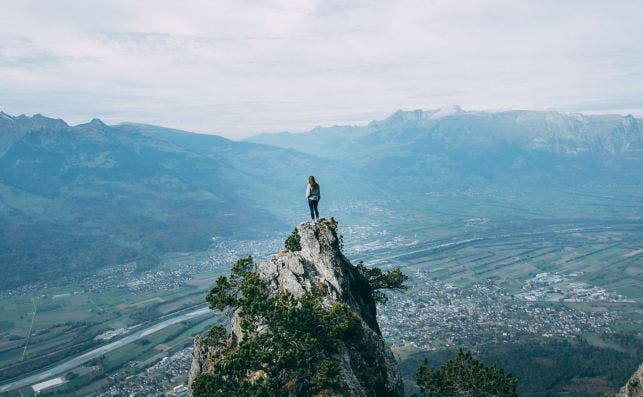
(312, 182)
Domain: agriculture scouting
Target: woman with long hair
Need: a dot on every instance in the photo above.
(313, 196)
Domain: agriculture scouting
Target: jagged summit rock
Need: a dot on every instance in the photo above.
(368, 367)
(320, 262)
(97, 122)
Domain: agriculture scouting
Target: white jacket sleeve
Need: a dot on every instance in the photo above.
(307, 191)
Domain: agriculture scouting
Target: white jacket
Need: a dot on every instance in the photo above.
(309, 190)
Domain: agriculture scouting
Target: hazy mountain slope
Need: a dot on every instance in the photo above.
(14, 128)
(452, 147)
(322, 141)
(278, 175)
(72, 198)
(78, 197)
(283, 171)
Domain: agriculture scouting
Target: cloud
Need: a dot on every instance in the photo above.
(237, 68)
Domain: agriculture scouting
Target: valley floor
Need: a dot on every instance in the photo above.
(490, 271)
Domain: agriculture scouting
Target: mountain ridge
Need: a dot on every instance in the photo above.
(427, 116)
(508, 148)
(444, 110)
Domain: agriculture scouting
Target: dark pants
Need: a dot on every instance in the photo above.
(312, 204)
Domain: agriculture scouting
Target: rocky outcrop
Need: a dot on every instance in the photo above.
(368, 366)
(201, 362)
(634, 386)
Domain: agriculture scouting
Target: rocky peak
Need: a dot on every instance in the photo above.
(4, 116)
(97, 123)
(40, 122)
(94, 125)
(14, 128)
(401, 117)
(368, 366)
(320, 263)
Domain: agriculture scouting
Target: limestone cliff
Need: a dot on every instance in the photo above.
(634, 386)
(368, 367)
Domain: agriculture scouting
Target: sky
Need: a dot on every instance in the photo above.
(237, 68)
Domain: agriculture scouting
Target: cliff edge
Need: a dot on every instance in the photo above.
(366, 365)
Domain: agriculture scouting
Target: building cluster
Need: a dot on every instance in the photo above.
(112, 333)
(226, 253)
(158, 278)
(167, 377)
(433, 315)
(556, 287)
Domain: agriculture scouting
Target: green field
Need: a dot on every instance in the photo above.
(67, 320)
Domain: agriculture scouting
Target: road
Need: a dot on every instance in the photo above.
(92, 354)
(33, 318)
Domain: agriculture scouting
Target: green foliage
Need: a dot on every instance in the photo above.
(292, 243)
(216, 336)
(553, 365)
(289, 343)
(226, 291)
(378, 280)
(465, 376)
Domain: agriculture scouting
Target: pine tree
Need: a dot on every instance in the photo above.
(465, 376)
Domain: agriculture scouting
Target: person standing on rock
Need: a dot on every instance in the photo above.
(313, 196)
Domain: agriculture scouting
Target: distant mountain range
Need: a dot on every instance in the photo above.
(73, 198)
(453, 147)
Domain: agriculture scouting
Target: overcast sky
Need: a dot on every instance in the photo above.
(237, 68)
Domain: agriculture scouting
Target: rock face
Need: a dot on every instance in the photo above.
(634, 386)
(368, 366)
